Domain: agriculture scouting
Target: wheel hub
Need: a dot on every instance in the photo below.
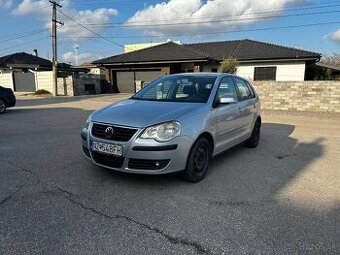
(200, 158)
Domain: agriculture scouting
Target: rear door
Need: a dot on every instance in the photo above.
(247, 104)
(228, 118)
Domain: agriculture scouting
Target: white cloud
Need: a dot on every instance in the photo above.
(70, 57)
(335, 36)
(6, 3)
(179, 11)
(42, 9)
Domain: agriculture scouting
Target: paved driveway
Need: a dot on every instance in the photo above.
(282, 197)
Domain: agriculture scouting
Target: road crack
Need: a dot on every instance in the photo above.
(10, 196)
(200, 250)
(172, 239)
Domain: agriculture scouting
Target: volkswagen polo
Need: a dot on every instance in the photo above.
(176, 123)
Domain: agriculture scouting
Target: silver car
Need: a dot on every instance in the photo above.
(177, 123)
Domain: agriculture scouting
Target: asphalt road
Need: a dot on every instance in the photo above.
(281, 198)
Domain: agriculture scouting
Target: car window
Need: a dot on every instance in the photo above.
(244, 91)
(227, 88)
(179, 88)
(159, 91)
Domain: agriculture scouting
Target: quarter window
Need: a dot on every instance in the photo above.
(265, 73)
(226, 88)
(243, 89)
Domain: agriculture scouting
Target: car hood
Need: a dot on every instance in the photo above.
(138, 113)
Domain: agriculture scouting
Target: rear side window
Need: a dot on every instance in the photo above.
(244, 91)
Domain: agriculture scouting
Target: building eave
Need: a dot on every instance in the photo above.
(153, 62)
(278, 60)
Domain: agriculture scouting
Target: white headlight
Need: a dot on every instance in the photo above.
(163, 132)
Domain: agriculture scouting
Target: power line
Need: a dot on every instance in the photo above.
(221, 20)
(24, 44)
(22, 33)
(138, 24)
(23, 36)
(219, 32)
(90, 30)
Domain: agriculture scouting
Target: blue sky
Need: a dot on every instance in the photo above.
(25, 24)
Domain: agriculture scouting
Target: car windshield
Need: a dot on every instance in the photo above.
(179, 88)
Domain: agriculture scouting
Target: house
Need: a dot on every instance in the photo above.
(92, 69)
(140, 46)
(257, 61)
(24, 72)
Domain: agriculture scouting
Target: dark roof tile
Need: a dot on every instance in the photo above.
(251, 50)
(163, 52)
(24, 59)
(240, 49)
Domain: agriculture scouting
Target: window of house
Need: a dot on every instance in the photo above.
(214, 70)
(265, 73)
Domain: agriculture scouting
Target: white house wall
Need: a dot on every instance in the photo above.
(284, 72)
(44, 80)
(6, 80)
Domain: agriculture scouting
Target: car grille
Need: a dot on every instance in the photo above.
(147, 164)
(120, 134)
(107, 160)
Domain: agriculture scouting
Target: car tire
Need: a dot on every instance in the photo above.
(2, 106)
(253, 141)
(198, 161)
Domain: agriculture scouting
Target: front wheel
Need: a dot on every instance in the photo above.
(2, 106)
(253, 141)
(198, 161)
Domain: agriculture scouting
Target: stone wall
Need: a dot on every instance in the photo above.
(71, 86)
(86, 86)
(65, 86)
(312, 96)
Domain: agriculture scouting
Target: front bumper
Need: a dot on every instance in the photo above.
(142, 156)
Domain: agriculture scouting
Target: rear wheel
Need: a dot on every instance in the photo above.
(198, 161)
(2, 106)
(253, 141)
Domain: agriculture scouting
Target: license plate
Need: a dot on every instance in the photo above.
(113, 149)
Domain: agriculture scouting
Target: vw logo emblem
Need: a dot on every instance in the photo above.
(109, 132)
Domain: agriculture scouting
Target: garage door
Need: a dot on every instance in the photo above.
(147, 76)
(24, 82)
(126, 80)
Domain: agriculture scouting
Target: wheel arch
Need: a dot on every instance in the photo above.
(210, 139)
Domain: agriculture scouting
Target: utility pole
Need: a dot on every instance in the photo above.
(54, 44)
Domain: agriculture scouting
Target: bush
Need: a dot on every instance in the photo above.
(229, 65)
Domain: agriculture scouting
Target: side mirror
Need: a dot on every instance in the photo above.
(227, 100)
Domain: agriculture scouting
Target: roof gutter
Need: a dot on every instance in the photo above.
(278, 60)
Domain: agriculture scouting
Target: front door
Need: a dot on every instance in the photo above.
(228, 118)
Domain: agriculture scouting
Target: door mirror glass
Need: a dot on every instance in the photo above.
(225, 99)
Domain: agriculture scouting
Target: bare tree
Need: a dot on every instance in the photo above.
(332, 59)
